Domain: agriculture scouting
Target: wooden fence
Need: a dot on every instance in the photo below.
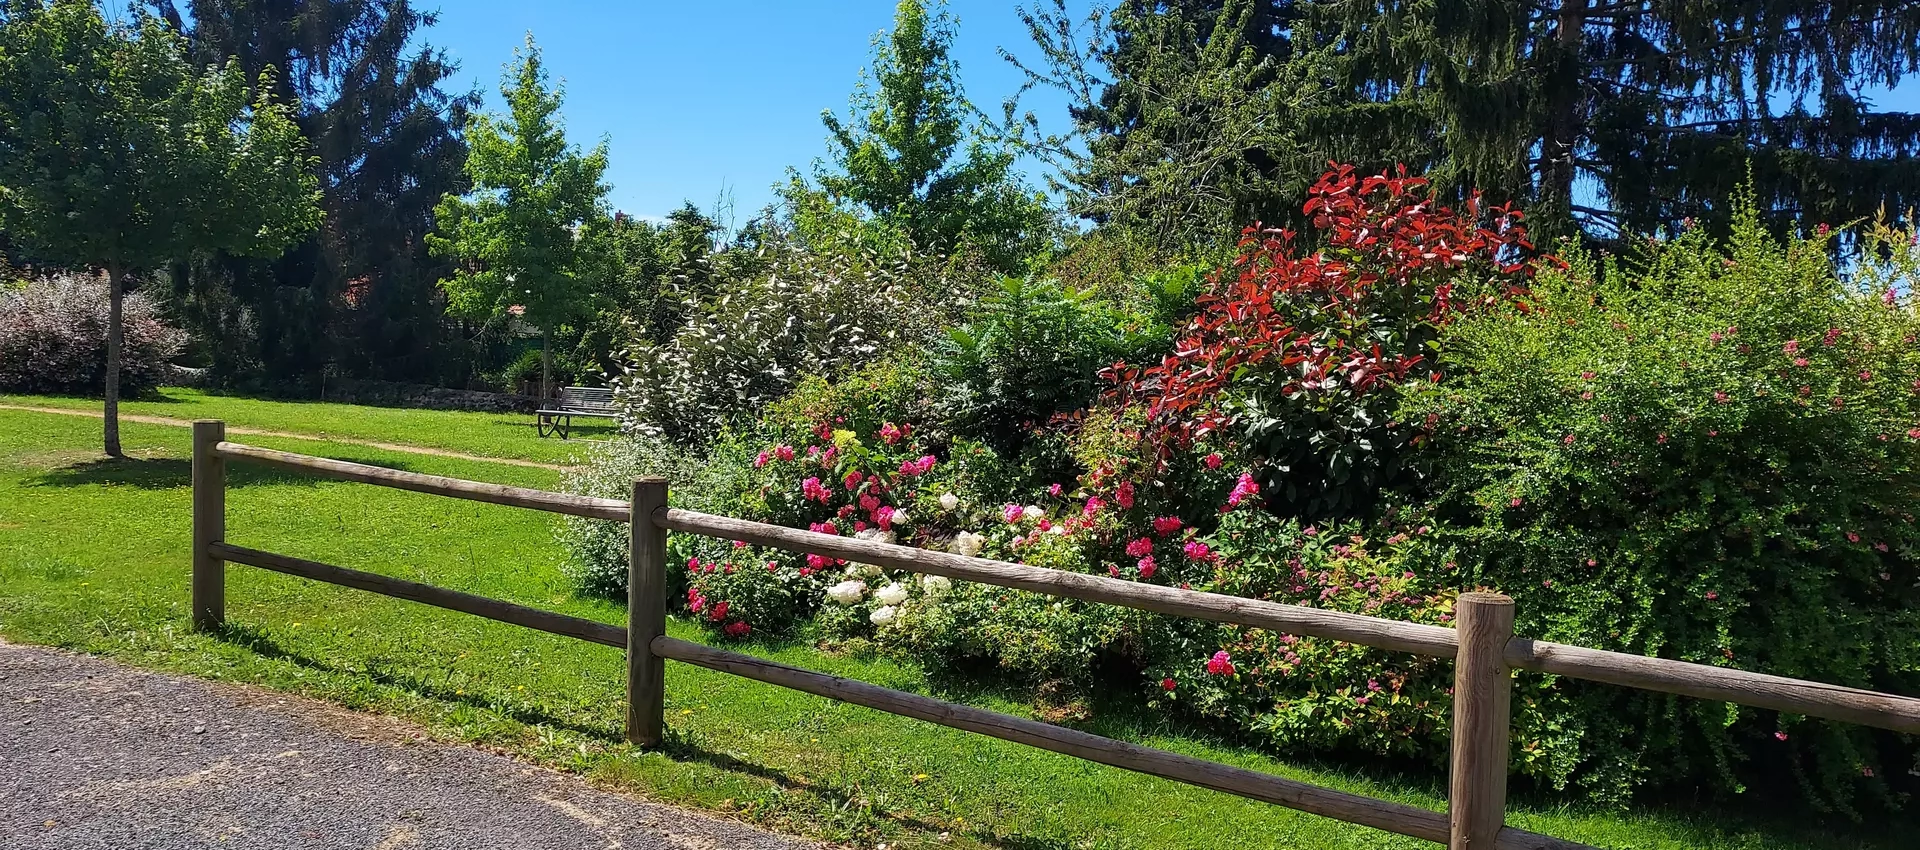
(1483, 646)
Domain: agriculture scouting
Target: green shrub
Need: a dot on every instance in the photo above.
(1031, 350)
(1709, 454)
(708, 480)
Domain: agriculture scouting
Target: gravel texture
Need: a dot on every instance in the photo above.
(94, 755)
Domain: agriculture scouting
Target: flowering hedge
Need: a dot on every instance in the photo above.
(1708, 454)
(1300, 355)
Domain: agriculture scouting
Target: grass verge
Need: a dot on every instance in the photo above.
(502, 435)
(93, 556)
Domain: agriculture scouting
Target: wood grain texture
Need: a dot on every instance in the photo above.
(1380, 814)
(440, 597)
(478, 491)
(1294, 619)
(209, 581)
(1705, 681)
(1869, 708)
(1482, 706)
(646, 615)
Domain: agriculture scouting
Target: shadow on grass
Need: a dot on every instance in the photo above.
(175, 473)
(260, 643)
(679, 746)
(1110, 713)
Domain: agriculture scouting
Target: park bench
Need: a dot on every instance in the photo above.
(593, 402)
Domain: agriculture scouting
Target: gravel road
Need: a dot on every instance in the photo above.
(95, 755)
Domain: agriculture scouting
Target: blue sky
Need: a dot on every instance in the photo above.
(695, 98)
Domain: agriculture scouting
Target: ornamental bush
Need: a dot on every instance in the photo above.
(53, 338)
(1299, 352)
(1032, 350)
(802, 313)
(1711, 453)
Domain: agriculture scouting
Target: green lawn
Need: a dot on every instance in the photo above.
(504, 435)
(93, 556)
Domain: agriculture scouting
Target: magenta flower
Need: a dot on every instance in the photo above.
(738, 629)
(1212, 461)
(1055, 490)
(1712, 595)
(1010, 513)
(1124, 496)
(1148, 566)
(1242, 489)
(1198, 552)
(1093, 506)
(1719, 397)
(760, 461)
(890, 433)
(1168, 685)
(1139, 547)
(1780, 735)
(1221, 664)
(812, 490)
(1833, 336)
(852, 480)
(1792, 346)
(783, 452)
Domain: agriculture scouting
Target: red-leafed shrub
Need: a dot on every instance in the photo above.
(1298, 353)
(53, 338)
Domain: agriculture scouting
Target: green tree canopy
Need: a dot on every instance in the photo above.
(1610, 117)
(528, 237)
(117, 153)
(909, 156)
(361, 293)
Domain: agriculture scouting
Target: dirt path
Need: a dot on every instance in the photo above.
(95, 756)
(233, 429)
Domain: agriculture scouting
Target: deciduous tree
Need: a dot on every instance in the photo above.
(526, 236)
(117, 152)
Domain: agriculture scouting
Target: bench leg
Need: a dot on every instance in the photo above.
(566, 427)
(540, 424)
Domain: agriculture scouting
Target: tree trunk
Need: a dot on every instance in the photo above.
(546, 364)
(1561, 142)
(116, 293)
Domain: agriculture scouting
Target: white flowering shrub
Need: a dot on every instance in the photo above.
(807, 314)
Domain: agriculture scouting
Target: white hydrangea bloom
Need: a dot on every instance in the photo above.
(1032, 512)
(883, 615)
(949, 502)
(893, 594)
(900, 518)
(868, 570)
(968, 543)
(847, 592)
(875, 535)
(935, 585)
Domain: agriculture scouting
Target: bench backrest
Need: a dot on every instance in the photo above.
(586, 398)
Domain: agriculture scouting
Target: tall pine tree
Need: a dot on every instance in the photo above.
(1628, 115)
(1611, 117)
(361, 293)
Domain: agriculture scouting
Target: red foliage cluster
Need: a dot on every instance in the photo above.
(1393, 260)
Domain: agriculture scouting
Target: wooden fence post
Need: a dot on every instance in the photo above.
(209, 605)
(1482, 705)
(646, 614)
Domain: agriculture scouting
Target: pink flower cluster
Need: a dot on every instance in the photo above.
(917, 467)
(1221, 664)
(1242, 489)
(812, 490)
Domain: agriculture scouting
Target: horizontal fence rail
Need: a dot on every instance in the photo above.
(1483, 648)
